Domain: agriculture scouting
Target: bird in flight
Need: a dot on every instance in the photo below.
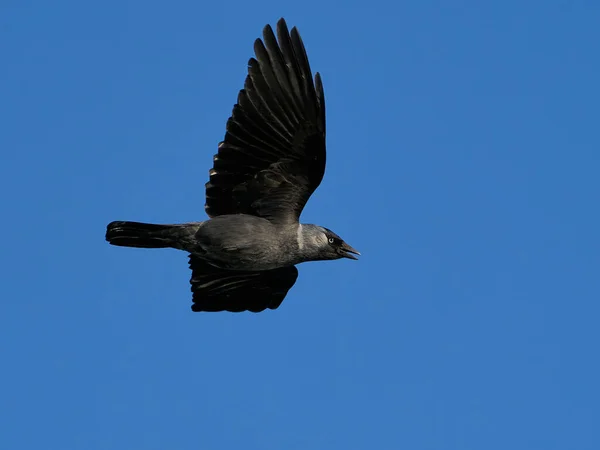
(268, 165)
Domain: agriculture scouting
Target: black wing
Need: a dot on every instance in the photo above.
(223, 290)
(273, 156)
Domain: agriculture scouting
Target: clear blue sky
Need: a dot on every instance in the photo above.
(463, 159)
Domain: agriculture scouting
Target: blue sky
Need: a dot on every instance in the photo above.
(463, 157)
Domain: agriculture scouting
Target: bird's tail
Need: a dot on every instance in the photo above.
(142, 235)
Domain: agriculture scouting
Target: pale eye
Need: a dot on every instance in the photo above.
(331, 240)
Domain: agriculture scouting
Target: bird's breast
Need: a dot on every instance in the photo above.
(241, 242)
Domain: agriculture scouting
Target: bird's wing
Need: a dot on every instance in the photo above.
(222, 290)
(273, 155)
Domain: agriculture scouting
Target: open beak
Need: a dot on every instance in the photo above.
(347, 252)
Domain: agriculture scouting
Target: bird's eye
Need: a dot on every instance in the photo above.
(331, 240)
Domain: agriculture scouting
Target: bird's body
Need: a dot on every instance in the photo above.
(244, 242)
(233, 242)
(271, 161)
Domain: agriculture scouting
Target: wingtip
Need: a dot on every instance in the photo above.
(294, 33)
(282, 27)
(268, 29)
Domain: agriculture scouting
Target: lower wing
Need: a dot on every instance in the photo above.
(224, 290)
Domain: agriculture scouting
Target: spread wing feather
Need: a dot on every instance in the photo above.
(273, 155)
(223, 290)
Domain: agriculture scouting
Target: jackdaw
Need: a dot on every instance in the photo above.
(268, 165)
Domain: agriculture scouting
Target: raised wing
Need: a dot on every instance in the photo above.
(273, 155)
(222, 290)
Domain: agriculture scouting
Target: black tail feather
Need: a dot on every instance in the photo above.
(138, 234)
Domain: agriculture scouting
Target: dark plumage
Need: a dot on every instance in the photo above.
(270, 162)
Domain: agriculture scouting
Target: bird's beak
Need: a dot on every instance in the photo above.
(346, 251)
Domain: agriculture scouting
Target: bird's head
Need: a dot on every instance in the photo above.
(325, 244)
